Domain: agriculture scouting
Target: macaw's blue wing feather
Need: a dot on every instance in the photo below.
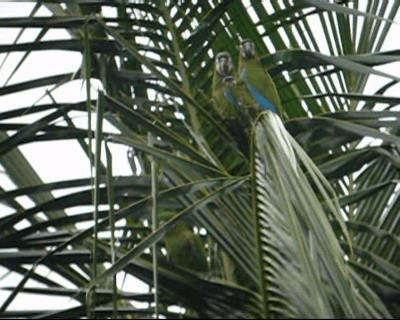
(230, 95)
(264, 102)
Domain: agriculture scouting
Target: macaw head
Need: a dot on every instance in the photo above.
(223, 64)
(247, 49)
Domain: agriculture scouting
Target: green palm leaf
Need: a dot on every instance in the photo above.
(303, 265)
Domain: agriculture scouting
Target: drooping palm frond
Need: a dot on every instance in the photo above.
(302, 263)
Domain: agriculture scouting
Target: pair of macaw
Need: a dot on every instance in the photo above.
(253, 92)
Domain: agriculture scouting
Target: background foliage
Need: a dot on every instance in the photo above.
(237, 236)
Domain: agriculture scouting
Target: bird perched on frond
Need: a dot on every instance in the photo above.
(241, 100)
(257, 80)
(223, 69)
(185, 249)
(231, 100)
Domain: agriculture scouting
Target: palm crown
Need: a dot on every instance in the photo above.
(302, 223)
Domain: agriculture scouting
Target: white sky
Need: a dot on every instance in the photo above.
(62, 160)
(65, 157)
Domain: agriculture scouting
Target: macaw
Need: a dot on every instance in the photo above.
(257, 80)
(233, 101)
(223, 69)
(241, 99)
(239, 121)
(185, 248)
(230, 92)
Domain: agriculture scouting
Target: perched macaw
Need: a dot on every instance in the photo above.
(230, 92)
(241, 99)
(257, 80)
(233, 101)
(239, 120)
(231, 97)
(185, 248)
(223, 69)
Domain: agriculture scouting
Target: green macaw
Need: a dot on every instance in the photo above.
(223, 68)
(231, 97)
(185, 248)
(257, 80)
(233, 101)
(241, 100)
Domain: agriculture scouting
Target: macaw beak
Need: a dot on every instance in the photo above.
(229, 80)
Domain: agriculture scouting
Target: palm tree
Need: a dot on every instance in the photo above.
(304, 226)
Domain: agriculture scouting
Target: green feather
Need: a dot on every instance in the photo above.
(249, 105)
(259, 78)
(220, 102)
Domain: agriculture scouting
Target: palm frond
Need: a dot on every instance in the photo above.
(303, 265)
